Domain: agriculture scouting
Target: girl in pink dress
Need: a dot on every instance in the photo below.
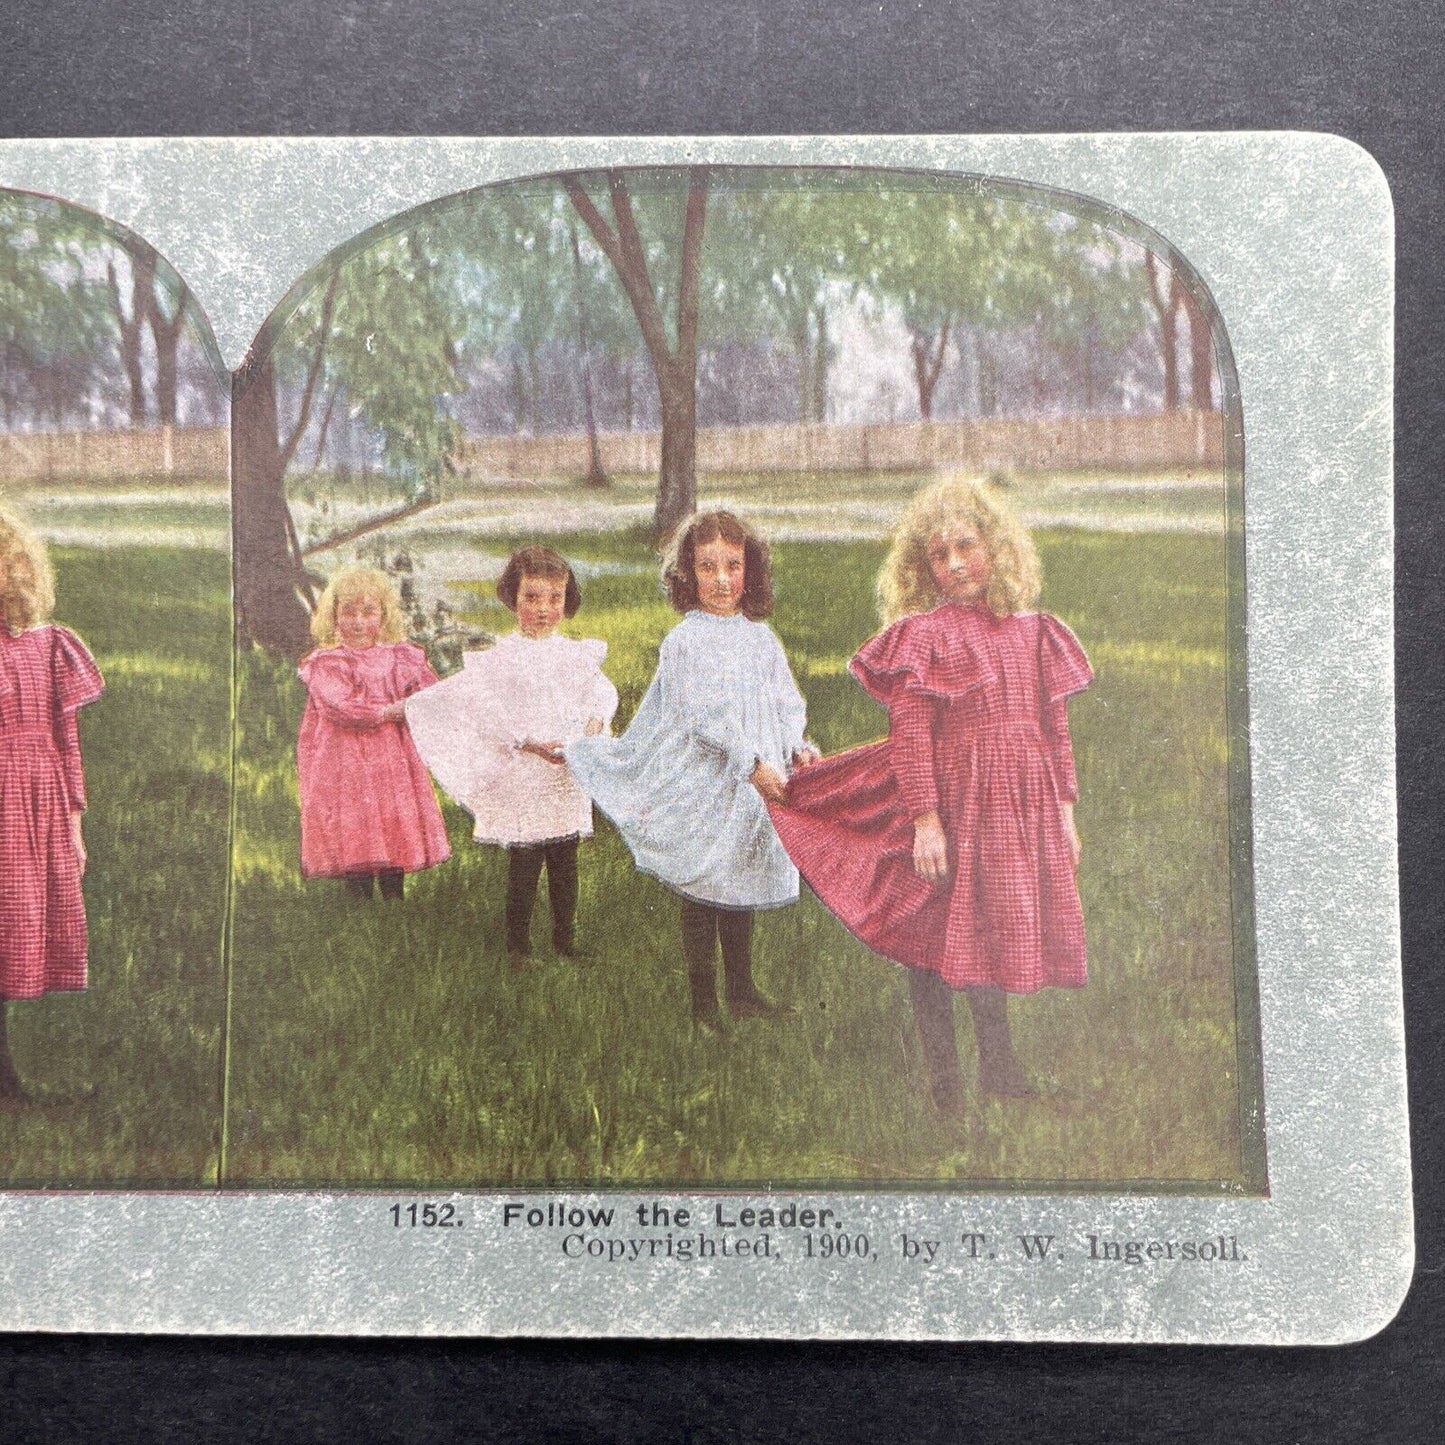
(46, 677)
(368, 812)
(950, 847)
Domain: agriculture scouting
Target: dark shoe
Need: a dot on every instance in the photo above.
(759, 1006)
(702, 990)
(1005, 1079)
(567, 948)
(709, 1025)
(947, 1093)
(518, 961)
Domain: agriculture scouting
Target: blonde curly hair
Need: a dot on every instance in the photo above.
(27, 580)
(906, 586)
(347, 585)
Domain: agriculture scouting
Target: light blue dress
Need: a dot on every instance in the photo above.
(676, 785)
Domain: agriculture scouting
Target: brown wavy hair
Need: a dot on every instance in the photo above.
(538, 562)
(679, 565)
(27, 581)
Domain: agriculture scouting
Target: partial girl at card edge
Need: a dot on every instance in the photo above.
(46, 676)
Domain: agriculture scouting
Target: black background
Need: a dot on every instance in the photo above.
(1370, 71)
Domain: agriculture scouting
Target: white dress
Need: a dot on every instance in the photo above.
(470, 728)
(676, 783)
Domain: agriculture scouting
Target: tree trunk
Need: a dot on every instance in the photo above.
(519, 395)
(987, 379)
(1090, 378)
(269, 609)
(820, 363)
(1201, 355)
(928, 364)
(129, 327)
(1166, 305)
(800, 334)
(167, 337)
(677, 481)
(1169, 342)
(596, 472)
(674, 368)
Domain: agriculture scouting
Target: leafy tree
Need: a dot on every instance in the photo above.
(1096, 301)
(778, 243)
(381, 327)
(55, 335)
(947, 260)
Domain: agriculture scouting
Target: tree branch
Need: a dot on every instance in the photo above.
(160, 326)
(936, 364)
(637, 283)
(327, 306)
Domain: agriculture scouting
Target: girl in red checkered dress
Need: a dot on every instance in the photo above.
(46, 677)
(368, 813)
(951, 847)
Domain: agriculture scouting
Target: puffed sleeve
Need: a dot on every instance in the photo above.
(76, 681)
(915, 668)
(1064, 670)
(916, 657)
(413, 671)
(601, 697)
(688, 689)
(338, 692)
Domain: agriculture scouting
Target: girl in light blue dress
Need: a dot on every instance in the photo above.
(716, 735)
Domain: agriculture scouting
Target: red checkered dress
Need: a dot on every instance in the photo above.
(46, 676)
(366, 799)
(978, 730)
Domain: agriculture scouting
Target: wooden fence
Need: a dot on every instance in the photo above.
(138, 454)
(1168, 441)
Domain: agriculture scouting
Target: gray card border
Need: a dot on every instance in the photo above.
(1293, 235)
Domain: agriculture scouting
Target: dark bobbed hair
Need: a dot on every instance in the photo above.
(538, 562)
(679, 565)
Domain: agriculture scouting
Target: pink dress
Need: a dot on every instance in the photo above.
(366, 801)
(978, 731)
(46, 677)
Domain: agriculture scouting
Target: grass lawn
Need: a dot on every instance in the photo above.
(131, 1070)
(388, 1045)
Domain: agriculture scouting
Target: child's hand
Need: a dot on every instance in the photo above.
(548, 752)
(769, 782)
(78, 841)
(806, 756)
(594, 727)
(394, 712)
(930, 848)
(1071, 835)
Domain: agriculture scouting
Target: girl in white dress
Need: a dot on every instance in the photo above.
(717, 733)
(493, 736)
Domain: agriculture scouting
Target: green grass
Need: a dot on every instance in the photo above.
(380, 1044)
(389, 1045)
(130, 1070)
